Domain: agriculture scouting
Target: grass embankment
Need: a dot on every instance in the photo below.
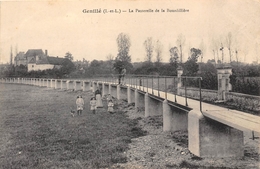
(37, 130)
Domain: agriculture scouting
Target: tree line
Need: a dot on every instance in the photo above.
(191, 67)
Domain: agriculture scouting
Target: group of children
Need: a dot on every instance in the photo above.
(94, 104)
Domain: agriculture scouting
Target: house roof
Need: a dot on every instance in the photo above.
(20, 56)
(34, 52)
(48, 60)
(55, 60)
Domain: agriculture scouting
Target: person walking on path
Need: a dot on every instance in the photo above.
(98, 98)
(80, 104)
(93, 105)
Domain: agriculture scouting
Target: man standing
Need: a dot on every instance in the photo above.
(123, 73)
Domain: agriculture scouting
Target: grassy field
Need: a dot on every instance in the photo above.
(37, 130)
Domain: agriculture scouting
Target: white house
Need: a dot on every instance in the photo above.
(43, 62)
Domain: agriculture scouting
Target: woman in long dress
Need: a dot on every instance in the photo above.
(98, 98)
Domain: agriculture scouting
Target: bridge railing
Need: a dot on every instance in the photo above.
(166, 84)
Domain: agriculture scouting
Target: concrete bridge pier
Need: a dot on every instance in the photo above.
(114, 90)
(167, 116)
(118, 92)
(209, 138)
(153, 106)
(45, 81)
(49, 83)
(106, 88)
(93, 86)
(40, 82)
(129, 98)
(86, 85)
(36, 82)
(15, 80)
(109, 88)
(103, 89)
(52, 83)
(63, 84)
(77, 85)
(70, 85)
(57, 84)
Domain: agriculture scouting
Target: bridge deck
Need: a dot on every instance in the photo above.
(237, 119)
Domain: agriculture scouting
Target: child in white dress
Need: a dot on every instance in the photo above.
(110, 106)
(80, 104)
(93, 105)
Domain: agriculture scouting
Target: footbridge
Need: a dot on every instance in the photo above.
(213, 131)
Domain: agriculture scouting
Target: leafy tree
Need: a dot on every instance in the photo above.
(190, 66)
(123, 59)
(69, 56)
(123, 43)
(148, 44)
(174, 55)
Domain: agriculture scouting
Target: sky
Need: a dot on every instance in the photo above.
(61, 26)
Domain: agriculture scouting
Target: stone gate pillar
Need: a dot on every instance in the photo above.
(223, 81)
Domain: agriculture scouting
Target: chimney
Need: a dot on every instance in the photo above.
(46, 52)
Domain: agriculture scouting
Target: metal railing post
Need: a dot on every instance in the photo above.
(200, 94)
(185, 86)
(175, 89)
(158, 87)
(147, 84)
(152, 84)
(165, 88)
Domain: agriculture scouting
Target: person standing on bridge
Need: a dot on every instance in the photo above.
(123, 73)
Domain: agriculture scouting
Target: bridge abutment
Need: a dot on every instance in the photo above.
(208, 138)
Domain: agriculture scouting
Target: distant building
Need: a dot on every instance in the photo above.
(20, 59)
(33, 53)
(43, 62)
(23, 58)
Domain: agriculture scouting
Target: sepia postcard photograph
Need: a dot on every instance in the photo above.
(131, 84)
